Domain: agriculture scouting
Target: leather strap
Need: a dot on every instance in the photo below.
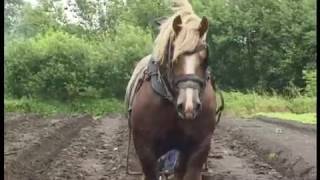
(189, 77)
(157, 82)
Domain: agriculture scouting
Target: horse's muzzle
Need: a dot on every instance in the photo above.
(190, 112)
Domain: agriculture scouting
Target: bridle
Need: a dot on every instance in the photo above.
(192, 77)
(194, 81)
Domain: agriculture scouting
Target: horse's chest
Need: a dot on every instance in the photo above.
(180, 138)
(182, 132)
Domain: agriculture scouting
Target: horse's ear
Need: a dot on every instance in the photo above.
(177, 24)
(204, 24)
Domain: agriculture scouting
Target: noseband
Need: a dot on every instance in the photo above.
(189, 78)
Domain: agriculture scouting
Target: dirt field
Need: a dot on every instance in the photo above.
(83, 148)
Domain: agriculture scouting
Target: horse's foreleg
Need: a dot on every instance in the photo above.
(149, 164)
(147, 159)
(196, 160)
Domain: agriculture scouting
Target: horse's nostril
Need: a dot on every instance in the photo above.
(179, 107)
(198, 106)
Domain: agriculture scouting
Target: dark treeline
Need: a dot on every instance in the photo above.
(254, 45)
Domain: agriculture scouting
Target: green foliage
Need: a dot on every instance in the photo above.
(254, 45)
(12, 10)
(61, 66)
(310, 77)
(252, 103)
(34, 20)
(48, 108)
(52, 65)
(302, 104)
(143, 12)
(119, 53)
(260, 44)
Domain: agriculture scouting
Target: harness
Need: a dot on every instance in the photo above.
(157, 82)
(161, 82)
(161, 86)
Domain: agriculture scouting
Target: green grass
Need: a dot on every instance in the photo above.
(94, 107)
(308, 118)
(300, 108)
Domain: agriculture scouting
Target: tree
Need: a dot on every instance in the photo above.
(12, 10)
(260, 44)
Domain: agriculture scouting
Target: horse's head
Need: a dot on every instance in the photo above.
(186, 64)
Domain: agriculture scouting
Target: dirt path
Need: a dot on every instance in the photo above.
(83, 148)
(229, 160)
(288, 146)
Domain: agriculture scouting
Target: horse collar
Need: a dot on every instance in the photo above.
(158, 84)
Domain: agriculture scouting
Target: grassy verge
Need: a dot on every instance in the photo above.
(94, 107)
(307, 118)
(301, 108)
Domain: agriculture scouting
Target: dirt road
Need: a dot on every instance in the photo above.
(83, 148)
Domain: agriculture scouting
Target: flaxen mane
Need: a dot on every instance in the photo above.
(187, 38)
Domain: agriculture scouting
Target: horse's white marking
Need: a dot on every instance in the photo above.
(189, 100)
(190, 68)
(190, 64)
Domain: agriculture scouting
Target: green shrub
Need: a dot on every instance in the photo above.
(119, 53)
(310, 77)
(302, 104)
(53, 65)
(61, 66)
(251, 103)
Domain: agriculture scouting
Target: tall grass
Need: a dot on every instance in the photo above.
(240, 104)
(308, 118)
(250, 103)
(94, 107)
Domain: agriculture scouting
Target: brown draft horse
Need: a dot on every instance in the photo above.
(184, 118)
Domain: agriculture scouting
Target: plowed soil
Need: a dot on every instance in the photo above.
(82, 148)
